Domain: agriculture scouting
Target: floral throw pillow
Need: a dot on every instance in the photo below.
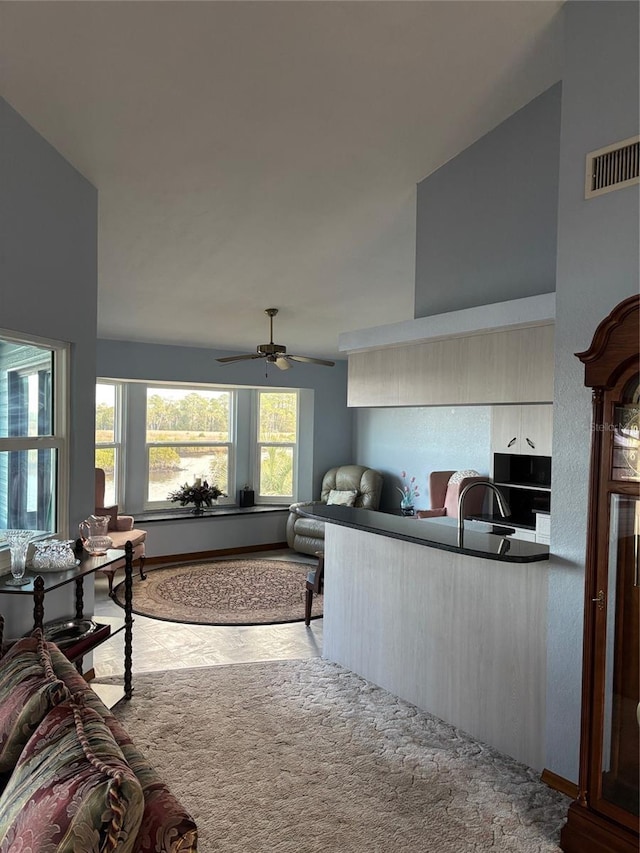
(342, 498)
(71, 790)
(29, 688)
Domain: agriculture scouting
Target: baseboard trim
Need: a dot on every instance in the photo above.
(559, 783)
(195, 556)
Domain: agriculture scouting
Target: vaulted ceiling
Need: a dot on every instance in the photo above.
(257, 154)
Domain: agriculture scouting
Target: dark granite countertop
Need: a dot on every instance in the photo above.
(442, 533)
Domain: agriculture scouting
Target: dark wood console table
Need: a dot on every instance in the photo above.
(40, 584)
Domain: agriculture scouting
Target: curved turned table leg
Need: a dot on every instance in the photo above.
(79, 598)
(128, 619)
(79, 612)
(38, 602)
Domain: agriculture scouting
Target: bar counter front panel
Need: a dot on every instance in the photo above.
(461, 633)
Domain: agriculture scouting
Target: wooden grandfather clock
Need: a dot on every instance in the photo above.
(604, 817)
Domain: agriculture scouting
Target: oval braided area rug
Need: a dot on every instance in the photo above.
(224, 592)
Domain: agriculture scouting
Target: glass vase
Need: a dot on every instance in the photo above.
(18, 541)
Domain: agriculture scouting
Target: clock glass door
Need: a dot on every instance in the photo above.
(617, 634)
(620, 720)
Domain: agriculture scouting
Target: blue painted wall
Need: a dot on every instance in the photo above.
(589, 250)
(332, 421)
(48, 288)
(486, 220)
(421, 440)
(48, 273)
(598, 266)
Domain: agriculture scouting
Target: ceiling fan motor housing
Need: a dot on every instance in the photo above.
(271, 349)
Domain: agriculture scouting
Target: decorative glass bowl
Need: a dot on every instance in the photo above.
(53, 555)
(97, 545)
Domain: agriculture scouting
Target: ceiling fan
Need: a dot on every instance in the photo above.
(275, 353)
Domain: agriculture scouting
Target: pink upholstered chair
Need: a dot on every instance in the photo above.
(444, 494)
(121, 531)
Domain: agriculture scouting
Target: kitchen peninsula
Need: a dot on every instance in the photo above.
(458, 631)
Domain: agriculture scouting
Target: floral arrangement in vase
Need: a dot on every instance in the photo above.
(198, 494)
(409, 491)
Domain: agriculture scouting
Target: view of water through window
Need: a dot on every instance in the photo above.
(163, 482)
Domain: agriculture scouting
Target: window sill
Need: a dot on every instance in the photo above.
(184, 514)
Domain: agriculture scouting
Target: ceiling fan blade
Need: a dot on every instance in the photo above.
(309, 360)
(282, 363)
(229, 358)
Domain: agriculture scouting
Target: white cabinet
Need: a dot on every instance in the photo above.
(543, 528)
(514, 365)
(522, 429)
(523, 534)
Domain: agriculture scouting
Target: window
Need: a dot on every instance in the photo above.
(277, 443)
(188, 435)
(108, 431)
(153, 437)
(32, 441)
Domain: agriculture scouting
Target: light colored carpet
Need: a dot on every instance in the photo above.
(225, 592)
(304, 756)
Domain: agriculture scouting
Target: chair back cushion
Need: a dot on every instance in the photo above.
(365, 481)
(438, 482)
(112, 514)
(473, 503)
(100, 487)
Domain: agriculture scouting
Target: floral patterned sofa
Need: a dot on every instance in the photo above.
(71, 780)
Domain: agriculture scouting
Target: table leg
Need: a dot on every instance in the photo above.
(79, 598)
(38, 602)
(128, 619)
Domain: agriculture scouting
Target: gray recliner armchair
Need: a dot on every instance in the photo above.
(306, 535)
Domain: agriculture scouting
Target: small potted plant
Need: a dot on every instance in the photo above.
(198, 494)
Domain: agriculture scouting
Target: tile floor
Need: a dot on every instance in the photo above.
(159, 645)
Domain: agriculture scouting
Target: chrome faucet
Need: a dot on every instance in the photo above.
(503, 506)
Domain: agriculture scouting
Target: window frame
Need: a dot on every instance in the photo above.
(134, 487)
(230, 444)
(284, 500)
(58, 440)
(117, 444)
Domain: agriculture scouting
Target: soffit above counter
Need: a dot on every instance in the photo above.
(513, 314)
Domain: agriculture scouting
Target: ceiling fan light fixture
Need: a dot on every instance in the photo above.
(275, 353)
